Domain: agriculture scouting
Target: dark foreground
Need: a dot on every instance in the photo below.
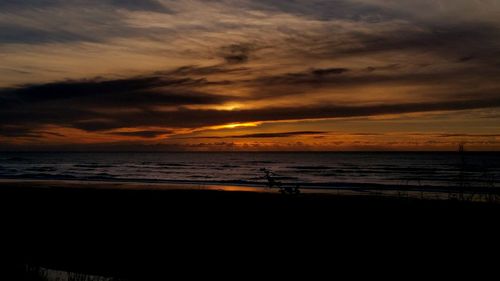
(146, 235)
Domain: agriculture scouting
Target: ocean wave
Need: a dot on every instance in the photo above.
(41, 169)
(284, 178)
(173, 165)
(92, 165)
(200, 177)
(229, 166)
(305, 185)
(10, 170)
(261, 162)
(100, 177)
(310, 167)
(17, 159)
(330, 174)
(42, 176)
(313, 170)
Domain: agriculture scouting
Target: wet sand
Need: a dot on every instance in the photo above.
(135, 231)
(399, 192)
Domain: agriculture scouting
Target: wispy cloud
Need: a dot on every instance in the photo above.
(186, 65)
(167, 101)
(143, 134)
(263, 135)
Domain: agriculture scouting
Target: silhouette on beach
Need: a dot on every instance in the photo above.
(273, 183)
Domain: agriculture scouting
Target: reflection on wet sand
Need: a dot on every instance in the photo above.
(380, 191)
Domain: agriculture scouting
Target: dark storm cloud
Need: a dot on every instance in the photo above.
(143, 134)
(204, 71)
(192, 118)
(280, 135)
(309, 81)
(264, 135)
(136, 92)
(329, 71)
(25, 109)
(200, 118)
(394, 66)
(100, 105)
(311, 77)
(445, 40)
(329, 58)
(236, 53)
(25, 132)
(466, 58)
(14, 131)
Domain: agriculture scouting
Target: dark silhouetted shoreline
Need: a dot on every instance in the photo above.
(134, 234)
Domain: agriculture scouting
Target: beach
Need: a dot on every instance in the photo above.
(436, 170)
(119, 229)
(162, 140)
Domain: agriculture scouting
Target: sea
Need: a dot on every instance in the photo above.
(307, 169)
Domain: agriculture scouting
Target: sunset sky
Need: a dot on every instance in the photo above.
(212, 75)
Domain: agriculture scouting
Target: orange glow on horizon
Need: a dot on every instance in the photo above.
(236, 125)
